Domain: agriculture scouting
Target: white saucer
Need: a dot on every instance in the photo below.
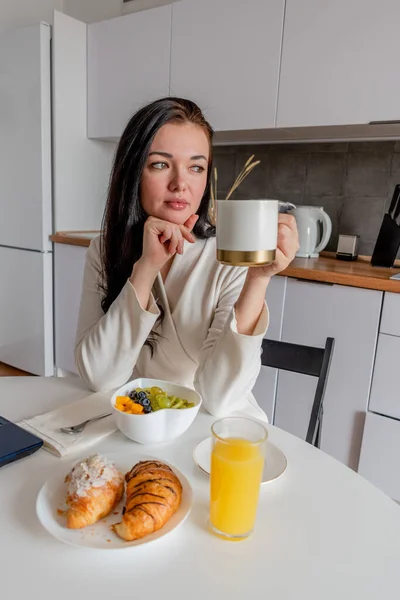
(275, 460)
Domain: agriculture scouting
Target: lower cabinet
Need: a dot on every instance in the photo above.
(69, 263)
(380, 454)
(265, 388)
(385, 393)
(312, 312)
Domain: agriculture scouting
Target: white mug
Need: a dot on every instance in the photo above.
(247, 231)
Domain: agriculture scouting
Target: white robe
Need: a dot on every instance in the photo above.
(200, 346)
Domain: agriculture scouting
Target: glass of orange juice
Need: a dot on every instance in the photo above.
(237, 462)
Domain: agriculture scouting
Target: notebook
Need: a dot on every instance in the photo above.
(15, 442)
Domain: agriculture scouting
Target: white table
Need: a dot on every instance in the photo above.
(323, 532)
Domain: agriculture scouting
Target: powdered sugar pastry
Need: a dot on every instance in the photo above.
(92, 472)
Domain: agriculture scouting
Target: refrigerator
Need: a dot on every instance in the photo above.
(26, 257)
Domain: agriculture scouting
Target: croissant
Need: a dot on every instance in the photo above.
(153, 495)
(95, 486)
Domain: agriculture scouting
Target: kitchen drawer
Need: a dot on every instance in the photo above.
(390, 322)
(385, 390)
(380, 454)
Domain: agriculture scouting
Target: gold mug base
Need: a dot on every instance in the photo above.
(246, 258)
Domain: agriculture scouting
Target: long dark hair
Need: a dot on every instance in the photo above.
(124, 217)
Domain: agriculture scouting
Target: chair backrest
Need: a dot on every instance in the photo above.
(306, 360)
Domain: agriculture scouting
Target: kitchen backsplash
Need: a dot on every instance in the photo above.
(353, 181)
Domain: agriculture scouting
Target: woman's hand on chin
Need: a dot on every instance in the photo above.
(163, 239)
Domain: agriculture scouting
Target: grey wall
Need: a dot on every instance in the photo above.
(15, 14)
(352, 181)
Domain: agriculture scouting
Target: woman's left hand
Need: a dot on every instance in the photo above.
(288, 244)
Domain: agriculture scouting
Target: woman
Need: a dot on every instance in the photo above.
(155, 301)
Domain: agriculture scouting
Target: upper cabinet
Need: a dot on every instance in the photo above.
(261, 70)
(339, 63)
(128, 66)
(225, 56)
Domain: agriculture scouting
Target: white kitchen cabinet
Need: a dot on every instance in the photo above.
(385, 392)
(390, 322)
(380, 454)
(69, 263)
(128, 66)
(339, 61)
(265, 388)
(225, 56)
(314, 311)
(26, 309)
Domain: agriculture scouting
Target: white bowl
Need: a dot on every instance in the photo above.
(160, 426)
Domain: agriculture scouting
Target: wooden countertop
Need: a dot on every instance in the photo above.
(326, 268)
(74, 238)
(358, 273)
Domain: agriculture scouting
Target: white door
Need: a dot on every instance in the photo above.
(340, 63)
(26, 310)
(128, 66)
(313, 312)
(25, 138)
(225, 56)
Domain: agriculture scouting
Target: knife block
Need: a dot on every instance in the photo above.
(387, 244)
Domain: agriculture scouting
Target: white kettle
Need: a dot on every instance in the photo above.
(308, 219)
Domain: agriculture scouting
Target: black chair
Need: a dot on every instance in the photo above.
(306, 360)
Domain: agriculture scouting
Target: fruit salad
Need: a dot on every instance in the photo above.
(147, 400)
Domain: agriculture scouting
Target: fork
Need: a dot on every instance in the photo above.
(81, 426)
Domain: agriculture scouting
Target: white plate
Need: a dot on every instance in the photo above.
(51, 502)
(275, 461)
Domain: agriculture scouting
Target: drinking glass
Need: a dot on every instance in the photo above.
(237, 462)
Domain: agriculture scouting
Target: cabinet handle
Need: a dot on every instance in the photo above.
(390, 122)
(315, 281)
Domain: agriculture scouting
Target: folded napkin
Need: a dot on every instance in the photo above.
(47, 425)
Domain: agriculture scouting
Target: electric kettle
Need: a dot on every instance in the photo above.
(309, 219)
